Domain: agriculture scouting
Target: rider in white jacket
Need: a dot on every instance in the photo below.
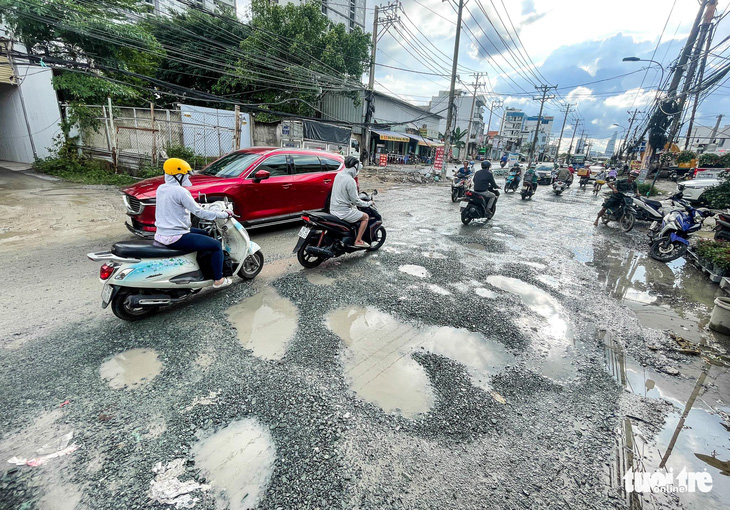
(345, 199)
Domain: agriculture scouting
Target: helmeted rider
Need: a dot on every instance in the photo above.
(173, 205)
(464, 171)
(531, 178)
(485, 185)
(620, 188)
(345, 199)
(516, 172)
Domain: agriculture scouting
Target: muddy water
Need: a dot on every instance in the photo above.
(265, 323)
(131, 369)
(414, 270)
(317, 278)
(237, 461)
(556, 353)
(379, 365)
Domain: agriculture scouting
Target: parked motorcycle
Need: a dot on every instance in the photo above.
(722, 228)
(474, 207)
(670, 240)
(459, 185)
(648, 210)
(527, 190)
(511, 182)
(624, 213)
(325, 236)
(141, 276)
(559, 186)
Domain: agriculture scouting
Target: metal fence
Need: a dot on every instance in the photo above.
(133, 137)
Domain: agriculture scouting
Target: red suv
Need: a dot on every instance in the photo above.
(265, 184)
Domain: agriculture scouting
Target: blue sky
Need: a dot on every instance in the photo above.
(577, 46)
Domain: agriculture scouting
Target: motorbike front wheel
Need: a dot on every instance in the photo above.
(627, 221)
(252, 266)
(454, 195)
(664, 250)
(307, 259)
(377, 240)
(122, 308)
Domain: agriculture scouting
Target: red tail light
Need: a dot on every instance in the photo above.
(105, 271)
(306, 218)
(468, 193)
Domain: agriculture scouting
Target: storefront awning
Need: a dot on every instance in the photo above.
(425, 142)
(391, 136)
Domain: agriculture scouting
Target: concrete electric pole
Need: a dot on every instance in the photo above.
(544, 89)
(565, 119)
(471, 113)
(450, 107)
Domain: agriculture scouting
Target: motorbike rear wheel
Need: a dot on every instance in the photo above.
(252, 266)
(626, 222)
(664, 250)
(468, 214)
(454, 195)
(722, 235)
(306, 259)
(123, 309)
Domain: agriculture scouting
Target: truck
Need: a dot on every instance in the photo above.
(312, 134)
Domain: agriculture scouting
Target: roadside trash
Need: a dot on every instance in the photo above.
(685, 346)
(167, 489)
(51, 450)
(64, 403)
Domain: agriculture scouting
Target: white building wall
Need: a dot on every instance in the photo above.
(23, 141)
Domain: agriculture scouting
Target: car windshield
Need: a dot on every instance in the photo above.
(231, 165)
(545, 168)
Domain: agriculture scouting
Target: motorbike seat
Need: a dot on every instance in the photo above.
(146, 249)
(653, 203)
(330, 217)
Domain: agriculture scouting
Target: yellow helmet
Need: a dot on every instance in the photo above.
(176, 166)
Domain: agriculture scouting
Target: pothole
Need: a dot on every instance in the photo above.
(265, 323)
(413, 270)
(131, 369)
(317, 278)
(238, 462)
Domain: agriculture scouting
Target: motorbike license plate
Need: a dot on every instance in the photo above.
(463, 205)
(304, 232)
(106, 293)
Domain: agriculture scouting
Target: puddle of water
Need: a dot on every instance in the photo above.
(378, 359)
(583, 255)
(550, 281)
(699, 438)
(557, 355)
(438, 290)
(131, 369)
(434, 255)
(265, 323)
(317, 278)
(474, 246)
(238, 462)
(485, 293)
(273, 270)
(413, 270)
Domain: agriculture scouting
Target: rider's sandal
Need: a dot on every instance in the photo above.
(226, 282)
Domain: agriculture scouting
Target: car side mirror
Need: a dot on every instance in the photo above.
(261, 175)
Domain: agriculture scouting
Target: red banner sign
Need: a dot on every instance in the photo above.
(383, 160)
(439, 160)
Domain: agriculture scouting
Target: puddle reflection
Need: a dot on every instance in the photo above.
(131, 369)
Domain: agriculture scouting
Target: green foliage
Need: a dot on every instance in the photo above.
(86, 171)
(718, 197)
(709, 161)
(457, 138)
(686, 156)
(716, 253)
(644, 187)
(666, 159)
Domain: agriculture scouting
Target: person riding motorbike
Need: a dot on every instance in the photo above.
(516, 173)
(345, 199)
(619, 188)
(531, 178)
(485, 185)
(564, 174)
(464, 171)
(174, 204)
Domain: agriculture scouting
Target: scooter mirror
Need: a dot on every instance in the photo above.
(375, 192)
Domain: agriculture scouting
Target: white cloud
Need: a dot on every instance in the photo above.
(591, 68)
(631, 98)
(581, 95)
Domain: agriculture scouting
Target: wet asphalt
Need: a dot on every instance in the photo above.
(332, 415)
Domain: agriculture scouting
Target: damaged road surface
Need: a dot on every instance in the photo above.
(521, 363)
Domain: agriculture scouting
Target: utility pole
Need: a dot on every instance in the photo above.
(496, 102)
(471, 114)
(572, 139)
(709, 13)
(565, 119)
(714, 130)
(388, 20)
(626, 138)
(544, 89)
(450, 108)
(701, 75)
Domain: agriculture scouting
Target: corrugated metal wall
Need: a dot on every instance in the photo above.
(342, 108)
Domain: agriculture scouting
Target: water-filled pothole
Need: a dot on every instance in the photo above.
(378, 361)
(131, 369)
(414, 270)
(237, 461)
(265, 323)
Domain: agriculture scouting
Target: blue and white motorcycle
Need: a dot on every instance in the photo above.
(141, 276)
(671, 240)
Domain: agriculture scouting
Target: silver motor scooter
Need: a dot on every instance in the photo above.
(139, 277)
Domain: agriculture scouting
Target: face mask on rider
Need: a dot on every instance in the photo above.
(183, 180)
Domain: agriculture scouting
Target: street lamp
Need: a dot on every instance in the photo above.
(637, 59)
